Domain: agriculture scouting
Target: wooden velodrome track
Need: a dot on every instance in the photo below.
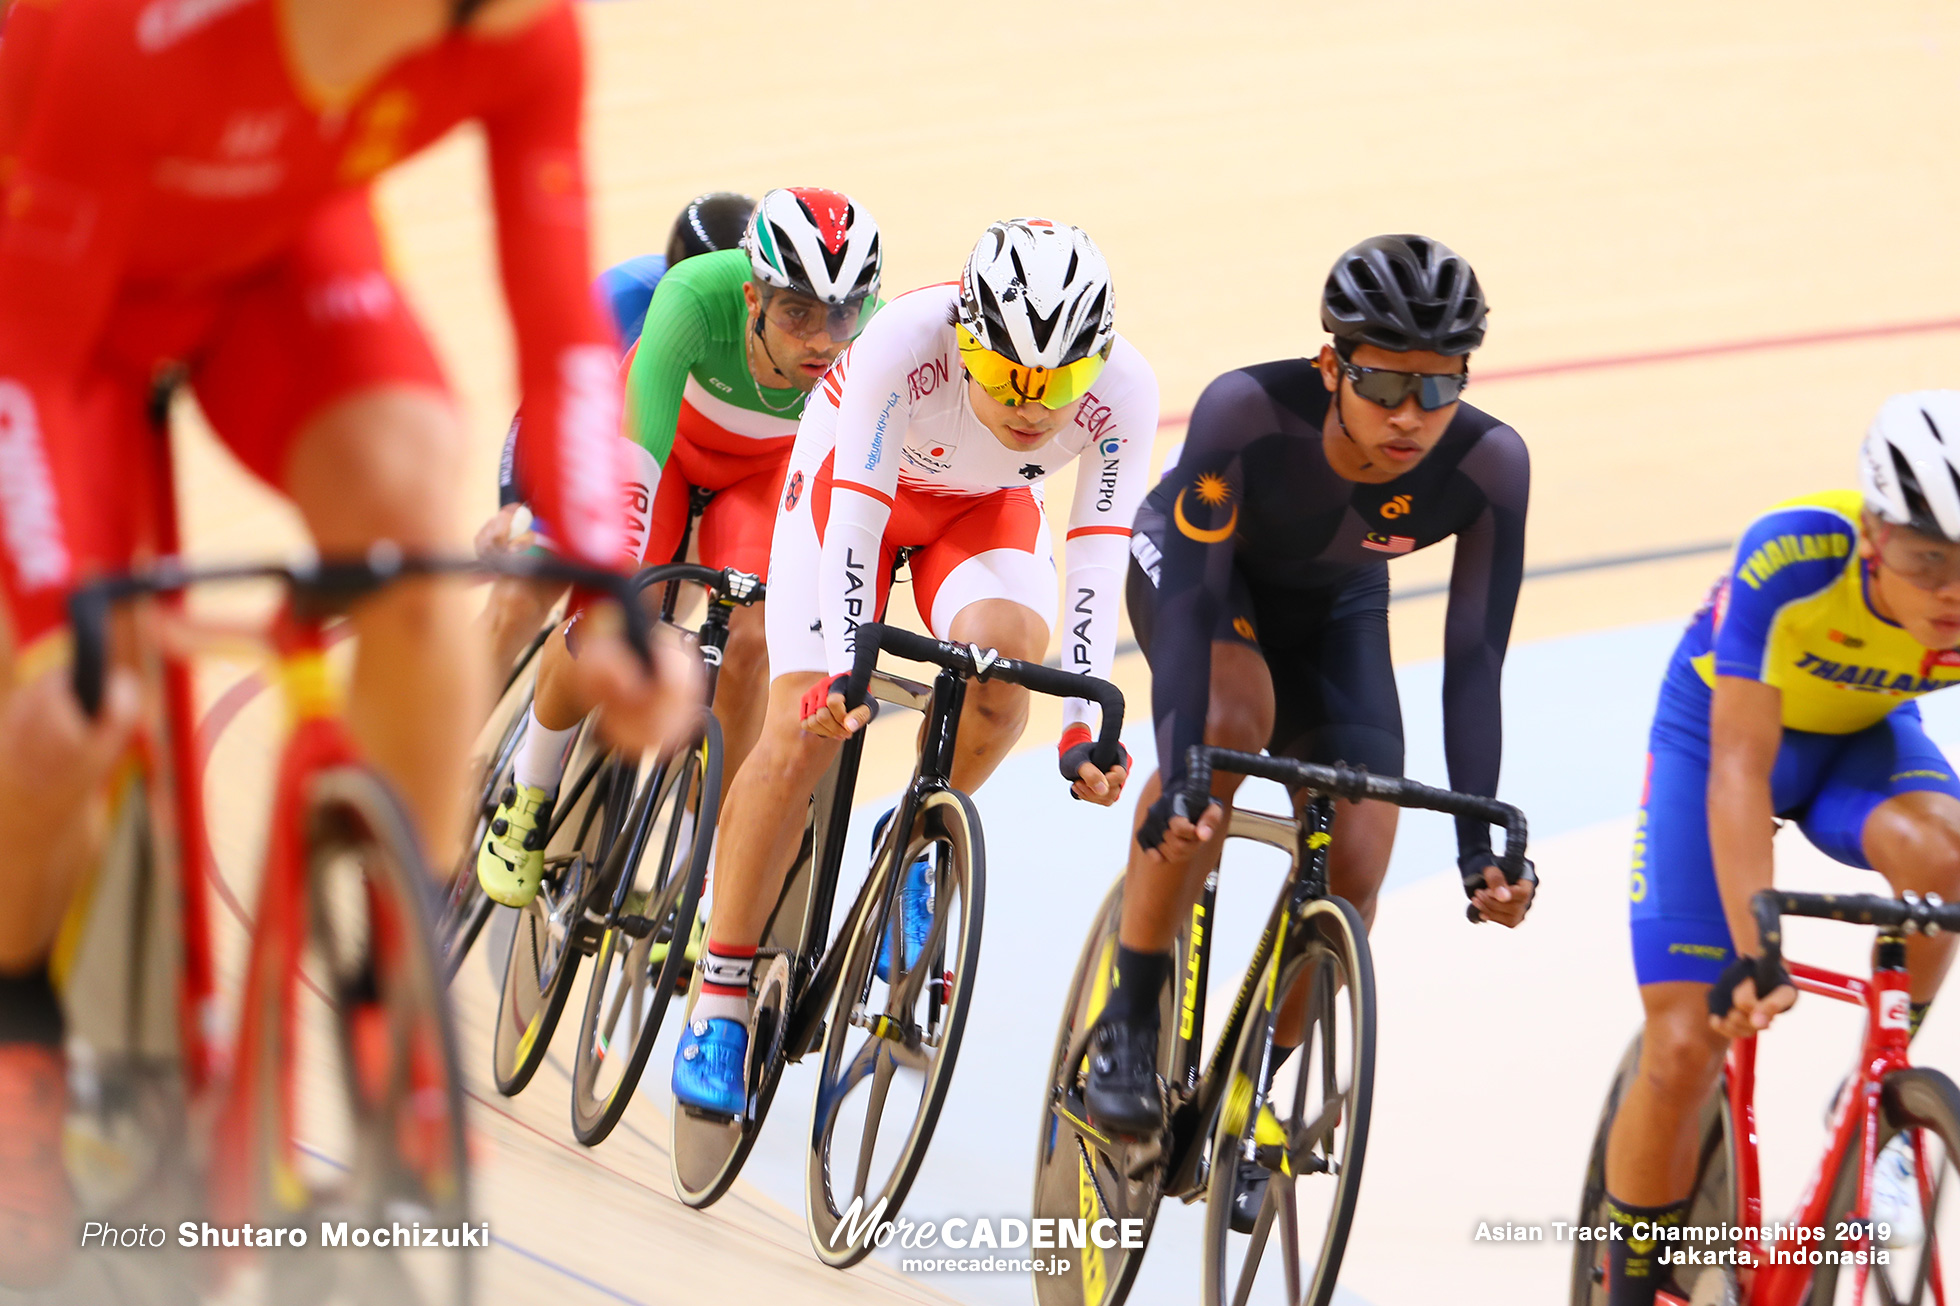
(1735, 220)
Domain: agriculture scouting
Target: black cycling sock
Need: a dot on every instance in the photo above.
(1136, 985)
(1918, 1016)
(29, 1010)
(1633, 1269)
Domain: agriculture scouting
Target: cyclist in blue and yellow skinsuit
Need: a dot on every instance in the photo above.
(1790, 697)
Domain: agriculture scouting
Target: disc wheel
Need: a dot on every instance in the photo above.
(1713, 1204)
(359, 1110)
(552, 933)
(1080, 1173)
(1300, 1123)
(1924, 1105)
(641, 961)
(890, 1045)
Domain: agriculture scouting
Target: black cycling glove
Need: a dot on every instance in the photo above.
(1721, 998)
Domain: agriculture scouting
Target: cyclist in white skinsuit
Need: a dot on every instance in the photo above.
(932, 433)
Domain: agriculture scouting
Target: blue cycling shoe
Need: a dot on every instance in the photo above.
(914, 910)
(709, 1066)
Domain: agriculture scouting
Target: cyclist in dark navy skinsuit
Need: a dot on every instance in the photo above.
(1259, 591)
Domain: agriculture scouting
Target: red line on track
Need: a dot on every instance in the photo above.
(1756, 345)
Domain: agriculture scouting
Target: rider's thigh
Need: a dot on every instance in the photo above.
(1240, 714)
(1680, 1055)
(379, 464)
(318, 377)
(1913, 839)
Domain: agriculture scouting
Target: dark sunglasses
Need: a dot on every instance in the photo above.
(1378, 385)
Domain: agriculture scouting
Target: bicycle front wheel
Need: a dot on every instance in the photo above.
(465, 906)
(1296, 1121)
(1713, 1204)
(1080, 1172)
(642, 958)
(358, 1107)
(890, 1045)
(552, 935)
(1903, 1261)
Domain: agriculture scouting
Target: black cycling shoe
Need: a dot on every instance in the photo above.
(1124, 1096)
(1249, 1195)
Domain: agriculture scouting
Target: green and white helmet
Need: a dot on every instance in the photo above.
(816, 243)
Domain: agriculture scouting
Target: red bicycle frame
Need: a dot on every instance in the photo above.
(1768, 1280)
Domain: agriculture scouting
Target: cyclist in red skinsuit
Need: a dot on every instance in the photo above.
(184, 190)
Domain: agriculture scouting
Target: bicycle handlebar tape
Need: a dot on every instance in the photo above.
(874, 637)
(88, 618)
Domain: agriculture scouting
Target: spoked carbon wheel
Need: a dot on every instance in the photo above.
(1081, 1173)
(1919, 1238)
(1713, 1205)
(890, 1044)
(552, 933)
(465, 907)
(642, 961)
(1300, 1124)
(360, 1104)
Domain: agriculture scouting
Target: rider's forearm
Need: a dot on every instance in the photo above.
(1745, 733)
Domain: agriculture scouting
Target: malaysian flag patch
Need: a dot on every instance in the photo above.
(1388, 543)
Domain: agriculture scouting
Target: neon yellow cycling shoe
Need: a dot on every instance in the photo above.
(510, 865)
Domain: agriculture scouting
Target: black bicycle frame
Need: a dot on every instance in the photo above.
(957, 662)
(1307, 883)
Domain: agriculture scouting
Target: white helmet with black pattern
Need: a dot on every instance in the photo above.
(1037, 292)
(1910, 467)
(815, 242)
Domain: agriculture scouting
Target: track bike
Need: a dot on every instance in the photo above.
(1883, 1096)
(1287, 1092)
(345, 1107)
(810, 993)
(625, 860)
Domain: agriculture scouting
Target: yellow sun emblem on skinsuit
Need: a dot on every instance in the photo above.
(1212, 491)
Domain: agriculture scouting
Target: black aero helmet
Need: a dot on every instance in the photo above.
(1402, 293)
(709, 223)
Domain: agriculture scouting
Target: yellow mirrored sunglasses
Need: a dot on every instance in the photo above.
(1010, 383)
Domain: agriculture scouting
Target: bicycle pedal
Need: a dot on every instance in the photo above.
(637, 926)
(815, 1042)
(712, 1117)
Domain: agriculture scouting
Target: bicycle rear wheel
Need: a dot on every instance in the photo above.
(1926, 1104)
(1080, 1173)
(1713, 1204)
(552, 934)
(890, 1045)
(355, 1108)
(642, 958)
(1303, 1122)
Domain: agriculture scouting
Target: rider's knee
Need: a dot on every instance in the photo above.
(1679, 1057)
(746, 654)
(1918, 840)
(1239, 724)
(997, 703)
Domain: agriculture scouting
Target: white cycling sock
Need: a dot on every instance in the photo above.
(540, 760)
(725, 974)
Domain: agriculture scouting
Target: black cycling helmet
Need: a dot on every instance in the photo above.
(708, 223)
(1402, 293)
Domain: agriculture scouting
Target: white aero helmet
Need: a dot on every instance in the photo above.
(1037, 293)
(816, 243)
(1910, 467)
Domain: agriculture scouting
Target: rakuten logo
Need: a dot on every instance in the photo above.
(588, 422)
(33, 522)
